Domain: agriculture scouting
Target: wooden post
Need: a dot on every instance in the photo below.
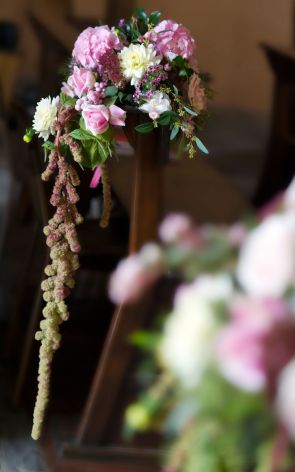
(116, 355)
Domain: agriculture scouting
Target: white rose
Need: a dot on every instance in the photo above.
(189, 333)
(285, 400)
(45, 116)
(159, 103)
(267, 260)
(136, 59)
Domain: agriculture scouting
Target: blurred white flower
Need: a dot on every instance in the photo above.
(45, 116)
(158, 104)
(267, 260)
(136, 59)
(285, 400)
(189, 333)
(214, 288)
(289, 197)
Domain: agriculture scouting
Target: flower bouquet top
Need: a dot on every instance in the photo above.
(147, 64)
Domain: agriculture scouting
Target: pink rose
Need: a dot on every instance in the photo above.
(172, 39)
(117, 116)
(81, 81)
(96, 118)
(93, 43)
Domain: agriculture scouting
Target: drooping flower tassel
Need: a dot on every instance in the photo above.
(107, 197)
(64, 246)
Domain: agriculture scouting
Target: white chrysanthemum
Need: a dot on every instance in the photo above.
(136, 59)
(189, 335)
(45, 116)
(158, 104)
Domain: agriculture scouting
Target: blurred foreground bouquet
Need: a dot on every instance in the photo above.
(143, 65)
(225, 357)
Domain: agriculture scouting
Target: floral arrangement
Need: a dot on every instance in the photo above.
(224, 358)
(143, 64)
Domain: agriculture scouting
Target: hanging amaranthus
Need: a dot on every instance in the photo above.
(64, 247)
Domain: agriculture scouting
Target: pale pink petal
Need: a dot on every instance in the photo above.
(117, 116)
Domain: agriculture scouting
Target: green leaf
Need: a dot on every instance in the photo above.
(164, 119)
(179, 61)
(30, 132)
(191, 112)
(111, 91)
(49, 145)
(175, 90)
(201, 146)
(82, 123)
(145, 127)
(66, 100)
(110, 101)
(182, 73)
(154, 18)
(145, 340)
(81, 134)
(174, 132)
(95, 152)
(129, 98)
(121, 96)
(141, 14)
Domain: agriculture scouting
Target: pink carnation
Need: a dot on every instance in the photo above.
(171, 39)
(93, 43)
(81, 81)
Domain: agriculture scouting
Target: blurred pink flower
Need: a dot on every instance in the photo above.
(117, 116)
(179, 228)
(135, 273)
(81, 81)
(239, 354)
(93, 43)
(246, 347)
(96, 177)
(96, 118)
(237, 234)
(262, 313)
(171, 39)
(266, 267)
